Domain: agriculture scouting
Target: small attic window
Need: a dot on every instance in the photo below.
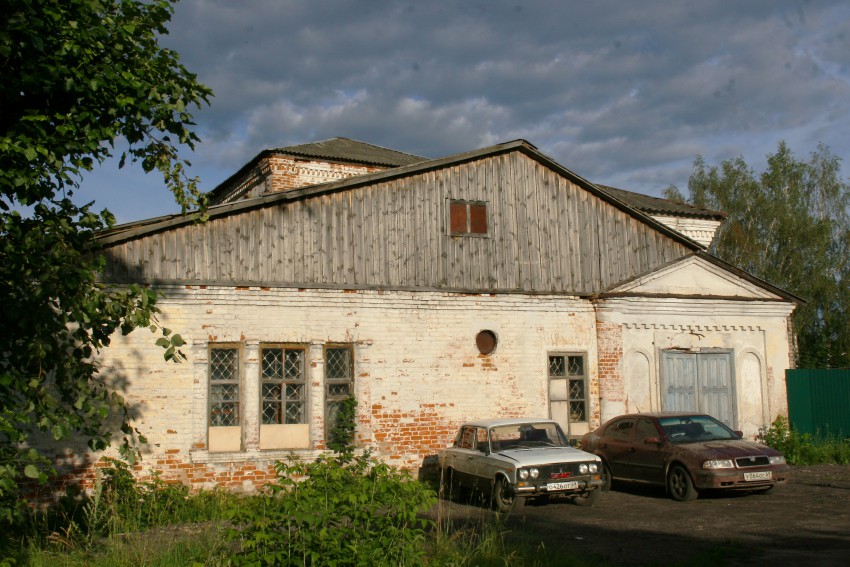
(468, 218)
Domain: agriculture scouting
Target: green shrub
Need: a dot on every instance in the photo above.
(341, 509)
(342, 433)
(803, 448)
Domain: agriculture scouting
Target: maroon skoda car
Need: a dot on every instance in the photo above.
(687, 453)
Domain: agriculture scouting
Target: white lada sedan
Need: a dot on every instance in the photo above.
(520, 458)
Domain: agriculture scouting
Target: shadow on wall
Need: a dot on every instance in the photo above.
(76, 463)
(429, 471)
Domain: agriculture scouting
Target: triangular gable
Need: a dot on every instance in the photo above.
(145, 227)
(695, 276)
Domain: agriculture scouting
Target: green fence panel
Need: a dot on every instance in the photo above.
(819, 401)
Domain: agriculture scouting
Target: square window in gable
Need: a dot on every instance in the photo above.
(468, 218)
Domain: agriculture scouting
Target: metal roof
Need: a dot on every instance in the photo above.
(344, 149)
(657, 205)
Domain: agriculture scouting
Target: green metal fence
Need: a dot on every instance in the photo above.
(819, 401)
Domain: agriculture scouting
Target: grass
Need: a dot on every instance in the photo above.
(475, 538)
(170, 546)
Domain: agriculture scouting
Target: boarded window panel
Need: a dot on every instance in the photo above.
(478, 219)
(458, 218)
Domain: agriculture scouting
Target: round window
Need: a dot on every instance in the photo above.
(486, 342)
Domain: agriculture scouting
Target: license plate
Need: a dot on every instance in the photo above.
(571, 485)
(749, 476)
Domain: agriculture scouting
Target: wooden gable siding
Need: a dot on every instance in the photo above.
(546, 234)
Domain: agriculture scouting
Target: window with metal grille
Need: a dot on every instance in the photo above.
(468, 218)
(283, 385)
(572, 368)
(224, 387)
(339, 383)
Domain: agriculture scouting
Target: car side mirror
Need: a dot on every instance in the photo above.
(740, 434)
(652, 441)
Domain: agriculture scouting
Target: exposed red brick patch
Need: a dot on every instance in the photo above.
(610, 355)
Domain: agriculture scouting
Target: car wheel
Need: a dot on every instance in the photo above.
(587, 499)
(606, 477)
(503, 497)
(679, 484)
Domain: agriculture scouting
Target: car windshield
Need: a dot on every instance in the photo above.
(526, 436)
(695, 429)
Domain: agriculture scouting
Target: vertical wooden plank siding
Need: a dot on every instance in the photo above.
(531, 189)
(545, 234)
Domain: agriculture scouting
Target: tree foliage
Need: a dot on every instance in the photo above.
(78, 75)
(789, 226)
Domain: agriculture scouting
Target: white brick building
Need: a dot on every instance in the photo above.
(491, 283)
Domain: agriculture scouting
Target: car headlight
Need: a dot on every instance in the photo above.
(582, 468)
(534, 473)
(523, 474)
(719, 464)
(592, 467)
(777, 460)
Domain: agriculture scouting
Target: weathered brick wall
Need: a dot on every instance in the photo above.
(280, 173)
(418, 373)
(612, 387)
(290, 173)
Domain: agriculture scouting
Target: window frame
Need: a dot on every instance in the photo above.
(622, 430)
(328, 382)
(470, 220)
(582, 377)
(237, 350)
(284, 382)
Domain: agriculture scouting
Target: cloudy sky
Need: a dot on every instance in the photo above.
(624, 93)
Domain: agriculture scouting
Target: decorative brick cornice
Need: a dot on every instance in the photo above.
(693, 328)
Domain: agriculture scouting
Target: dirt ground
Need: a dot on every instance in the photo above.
(804, 522)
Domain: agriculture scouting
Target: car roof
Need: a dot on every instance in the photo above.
(506, 421)
(659, 414)
(665, 414)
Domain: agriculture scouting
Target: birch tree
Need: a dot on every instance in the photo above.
(789, 226)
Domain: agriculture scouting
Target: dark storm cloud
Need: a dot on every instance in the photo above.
(626, 93)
